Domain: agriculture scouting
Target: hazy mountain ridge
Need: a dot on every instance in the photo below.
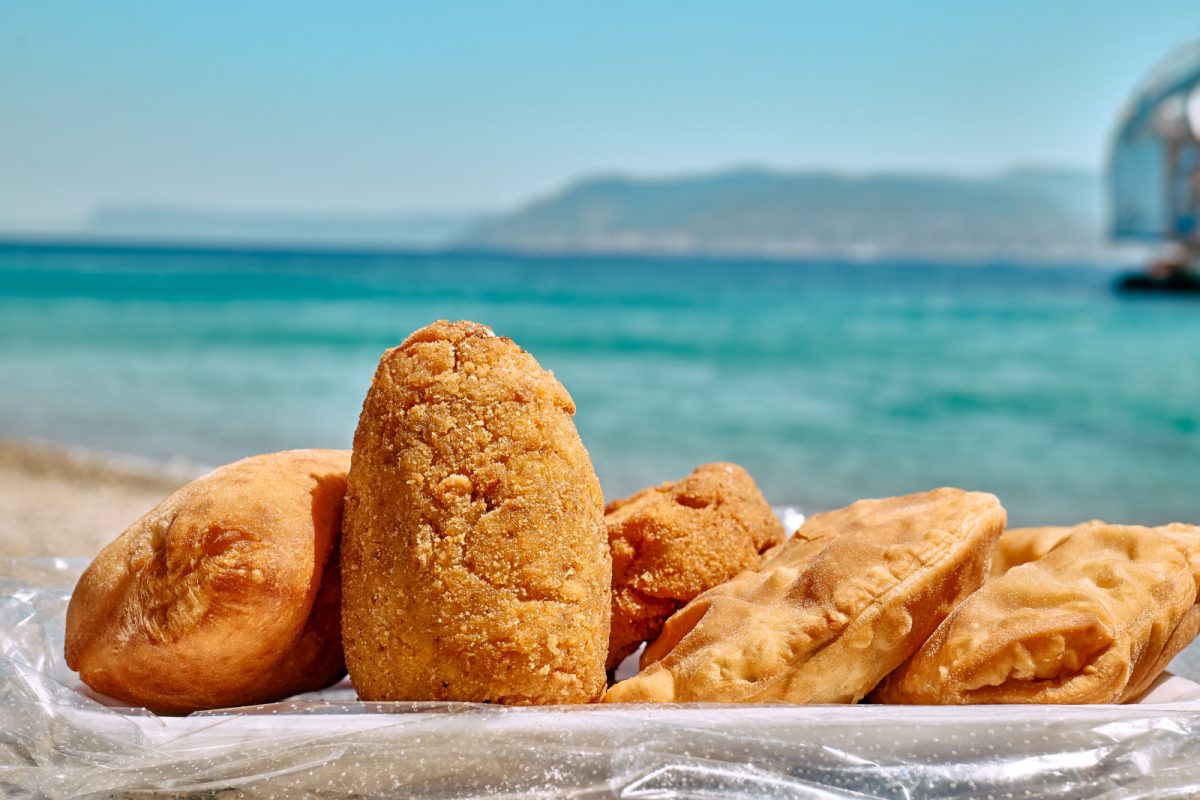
(1027, 213)
(1031, 214)
(177, 223)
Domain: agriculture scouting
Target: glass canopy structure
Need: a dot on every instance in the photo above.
(1154, 172)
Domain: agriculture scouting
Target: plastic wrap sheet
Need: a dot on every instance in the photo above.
(57, 741)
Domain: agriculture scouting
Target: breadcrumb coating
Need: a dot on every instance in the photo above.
(475, 562)
(671, 542)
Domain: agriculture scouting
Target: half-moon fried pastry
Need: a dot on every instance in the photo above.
(831, 611)
(1095, 620)
(1017, 546)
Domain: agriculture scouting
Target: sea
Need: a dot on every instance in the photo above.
(829, 381)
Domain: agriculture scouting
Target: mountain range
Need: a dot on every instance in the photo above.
(1029, 214)
(1026, 213)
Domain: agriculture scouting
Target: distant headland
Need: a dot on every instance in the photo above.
(1033, 215)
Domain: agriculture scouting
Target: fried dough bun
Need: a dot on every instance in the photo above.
(831, 611)
(1095, 620)
(225, 594)
(475, 561)
(671, 542)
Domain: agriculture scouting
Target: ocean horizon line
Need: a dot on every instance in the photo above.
(83, 243)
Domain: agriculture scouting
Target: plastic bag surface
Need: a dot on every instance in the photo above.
(58, 741)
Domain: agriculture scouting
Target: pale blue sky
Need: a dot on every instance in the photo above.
(380, 107)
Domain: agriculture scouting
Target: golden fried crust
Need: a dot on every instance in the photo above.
(831, 611)
(225, 594)
(475, 563)
(1018, 546)
(671, 542)
(1095, 620)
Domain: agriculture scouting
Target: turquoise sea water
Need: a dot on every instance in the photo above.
(829, 382)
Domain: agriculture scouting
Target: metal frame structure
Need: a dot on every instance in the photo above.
(1154, 169)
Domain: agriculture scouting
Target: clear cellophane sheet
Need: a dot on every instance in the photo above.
(59, 740)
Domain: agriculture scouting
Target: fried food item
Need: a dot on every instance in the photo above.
(475, 562)
(671, 542)
(830, 612)
(1095, 620)
(228, 593)
(1018, 546)
(1188, 538)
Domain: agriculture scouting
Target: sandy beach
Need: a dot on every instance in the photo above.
(63, 501)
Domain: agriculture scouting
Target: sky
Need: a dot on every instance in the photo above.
(359, 107)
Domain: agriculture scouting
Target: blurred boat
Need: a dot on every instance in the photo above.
(1154, 174)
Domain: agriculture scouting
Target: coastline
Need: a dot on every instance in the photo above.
(58, 500)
